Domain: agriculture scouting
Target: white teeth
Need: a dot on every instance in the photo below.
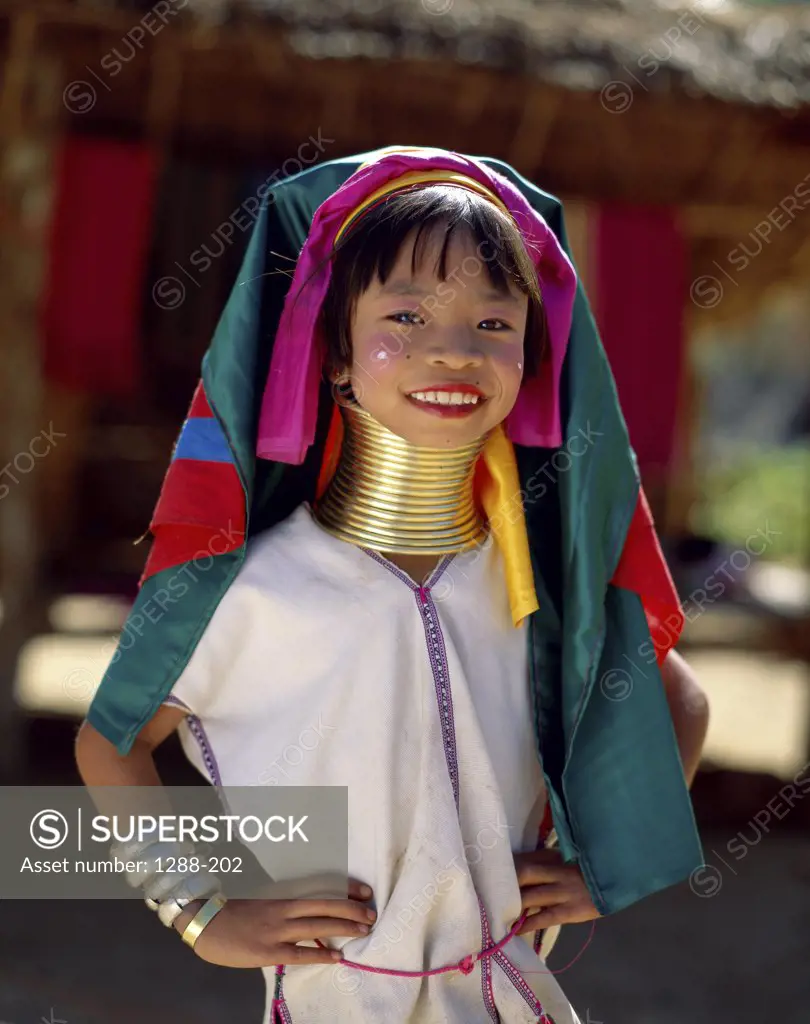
(445, 397)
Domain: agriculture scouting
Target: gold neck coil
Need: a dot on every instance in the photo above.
(392, 496)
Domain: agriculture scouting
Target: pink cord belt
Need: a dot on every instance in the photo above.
(466, 965)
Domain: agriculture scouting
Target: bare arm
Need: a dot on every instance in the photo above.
(689, 707)
(100, 764)
(247, 933)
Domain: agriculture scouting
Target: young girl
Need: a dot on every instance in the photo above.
(426, 549)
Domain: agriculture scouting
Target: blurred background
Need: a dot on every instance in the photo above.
(135, 142)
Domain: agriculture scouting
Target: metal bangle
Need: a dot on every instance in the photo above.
(204, 917)
(196, 888)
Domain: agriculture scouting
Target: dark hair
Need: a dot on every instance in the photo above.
(370, 247)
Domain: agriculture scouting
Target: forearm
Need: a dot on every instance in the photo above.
(120, 784)
(689, 708)
(100, 764)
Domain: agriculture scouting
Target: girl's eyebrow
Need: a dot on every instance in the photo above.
(412, 290)
(409, 288)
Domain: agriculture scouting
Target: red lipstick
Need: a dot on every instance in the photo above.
(449, 411)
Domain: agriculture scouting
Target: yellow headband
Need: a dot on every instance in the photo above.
(411, 178)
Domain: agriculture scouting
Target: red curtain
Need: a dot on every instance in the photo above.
(641, 270)
(100, 234)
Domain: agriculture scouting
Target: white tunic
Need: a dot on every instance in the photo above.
(417, 700)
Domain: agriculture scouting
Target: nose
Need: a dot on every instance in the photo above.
(456, 350)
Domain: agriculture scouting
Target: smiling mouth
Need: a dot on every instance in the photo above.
(448, 402)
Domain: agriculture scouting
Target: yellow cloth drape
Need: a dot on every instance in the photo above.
(499, 493)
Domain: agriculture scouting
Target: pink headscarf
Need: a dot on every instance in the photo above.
(288, 414)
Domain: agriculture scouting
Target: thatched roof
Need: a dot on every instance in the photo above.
(715, 48)
(714, 105)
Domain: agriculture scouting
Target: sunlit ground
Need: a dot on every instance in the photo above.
(760, 703)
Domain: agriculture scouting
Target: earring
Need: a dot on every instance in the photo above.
(342, 390)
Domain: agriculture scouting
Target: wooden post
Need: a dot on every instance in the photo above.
(28, 110)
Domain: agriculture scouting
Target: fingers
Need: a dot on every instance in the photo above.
(320, 887)
(531, 925)
(539, 896)
(533, 871)
(359, 890)
(574, 912)
(346, 910)
(309, 928)
(539, 875)
(546, 919)
(306, 955)
(325, 888)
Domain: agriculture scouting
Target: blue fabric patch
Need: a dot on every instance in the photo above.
(202, 439)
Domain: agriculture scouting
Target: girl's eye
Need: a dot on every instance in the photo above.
(407, 318)
(495, 325)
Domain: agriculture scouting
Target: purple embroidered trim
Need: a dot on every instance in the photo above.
(284, 1012)
(520, 983)
(198, 732)
(395, 569)
(441, 678)
(486, 967)
(438, 657)
(279, 1011)
(434, 576)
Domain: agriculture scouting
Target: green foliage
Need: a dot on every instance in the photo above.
(770, 486)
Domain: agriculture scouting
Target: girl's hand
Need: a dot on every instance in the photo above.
(264, 933)
(551, 892)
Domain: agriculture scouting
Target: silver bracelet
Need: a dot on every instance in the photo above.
(168, 893)
(195, 888)
(178, 885)
(169, 910)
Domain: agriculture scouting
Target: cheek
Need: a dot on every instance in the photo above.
(381, 358)
(508, 362)
(380, 354)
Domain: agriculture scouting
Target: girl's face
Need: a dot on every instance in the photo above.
(438, 362)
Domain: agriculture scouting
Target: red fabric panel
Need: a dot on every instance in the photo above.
(200, 510)
(196, 493)
(643, 569)
(99, 242)
(641, 281)
(199, 404)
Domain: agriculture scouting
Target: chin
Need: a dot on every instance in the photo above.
(452, 435)
(436, 433)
